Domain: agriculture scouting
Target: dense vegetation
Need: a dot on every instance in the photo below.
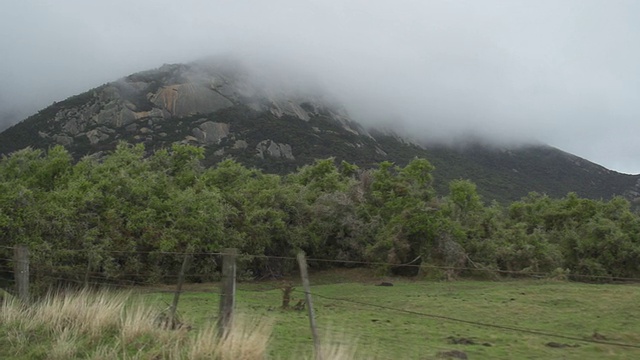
(118, 214)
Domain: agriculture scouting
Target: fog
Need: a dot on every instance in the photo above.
(564, 73)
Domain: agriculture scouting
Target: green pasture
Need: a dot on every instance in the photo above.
(579, 311)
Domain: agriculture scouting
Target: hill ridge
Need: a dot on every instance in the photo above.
(278, 128)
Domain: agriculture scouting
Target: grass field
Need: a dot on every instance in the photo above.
(409, 320)
(600, 312)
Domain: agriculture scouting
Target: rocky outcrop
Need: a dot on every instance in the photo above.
(274, 149)
(188, 99)
(281, 108)
(225, 109)
(115, 114)
(143, 105)
(74, 126)
(211, 132)
(240, 144)
(99, 134)
(63, 140)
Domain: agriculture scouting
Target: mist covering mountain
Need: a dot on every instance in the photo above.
(8, 117)
(270, 120)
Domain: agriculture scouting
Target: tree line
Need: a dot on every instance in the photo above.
(118, 215)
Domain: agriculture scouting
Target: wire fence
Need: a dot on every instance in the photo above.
(476, 323)
(54, 275)
(360, 263)
(113, 276)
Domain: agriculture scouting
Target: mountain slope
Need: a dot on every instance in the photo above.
(539, 168)
(233, 113)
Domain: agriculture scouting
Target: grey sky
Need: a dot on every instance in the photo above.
(563, 72)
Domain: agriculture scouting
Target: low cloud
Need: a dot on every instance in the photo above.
(563, 73)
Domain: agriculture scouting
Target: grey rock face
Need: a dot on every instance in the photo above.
(280, 108)
(95, 136)
(115, 114)
(99, 134)
(286, 151)
(274, 149)
(240, 144)
(63, 140)
(188, 99)
(74, 126)
(141, 104)
(211, 132)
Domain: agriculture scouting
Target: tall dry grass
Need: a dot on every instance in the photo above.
(103, 325)
(245, 340)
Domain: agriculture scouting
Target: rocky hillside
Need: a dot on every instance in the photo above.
(159, 107)
(232, 114)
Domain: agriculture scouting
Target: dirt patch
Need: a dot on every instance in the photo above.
(452, 354)
(460, 341)
(465, 341)
(560, 346)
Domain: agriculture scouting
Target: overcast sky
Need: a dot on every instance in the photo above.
(561, 72)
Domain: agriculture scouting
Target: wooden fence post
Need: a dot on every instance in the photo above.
(21, 271)
(227, 291)
(176, 297)
(307, 294)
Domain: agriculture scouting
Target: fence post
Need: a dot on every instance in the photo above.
(21, 271)
(227, 291)
(307, 294)
(176, 296)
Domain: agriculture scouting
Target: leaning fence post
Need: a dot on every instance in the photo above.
(21, 271)
(227, 291)
(307, 294)
(176, 296)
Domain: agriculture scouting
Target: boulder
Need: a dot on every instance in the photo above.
(74, 126)
(63, 140)
(274, 149)
(95, 136)
(240, 144)
(211, 132)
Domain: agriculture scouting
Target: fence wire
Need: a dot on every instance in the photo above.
(55, 276)
(475, 323)
(362, 263)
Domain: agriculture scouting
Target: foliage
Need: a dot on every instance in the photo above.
(129, 215)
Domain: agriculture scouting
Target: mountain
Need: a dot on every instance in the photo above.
(266, 123)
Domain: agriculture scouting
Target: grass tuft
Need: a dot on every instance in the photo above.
(65, 345)
(114, 325)
(245, 340)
